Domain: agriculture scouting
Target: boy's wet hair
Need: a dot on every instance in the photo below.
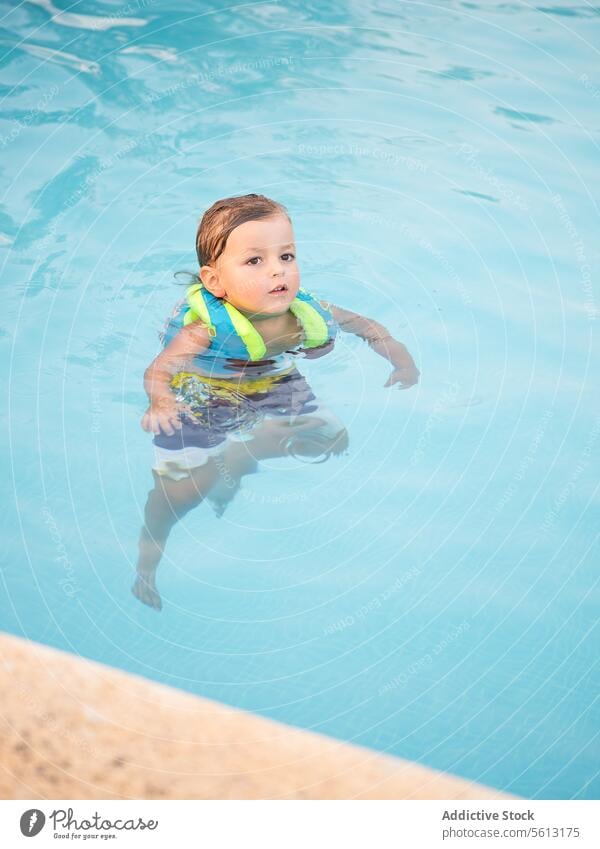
(224, 216)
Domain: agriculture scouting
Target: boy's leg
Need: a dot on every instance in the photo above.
(311, 436)
(308, 435)
(233, 464)
(240, 458)
(219, 479)
(166, 504)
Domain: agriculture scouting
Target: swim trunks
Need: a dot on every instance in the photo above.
(225, 410)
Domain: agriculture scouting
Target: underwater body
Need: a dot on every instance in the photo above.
(431, 590)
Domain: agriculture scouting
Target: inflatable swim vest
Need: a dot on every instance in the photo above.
(233, 336)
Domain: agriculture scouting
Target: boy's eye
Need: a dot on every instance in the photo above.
(288, 257)
(253, 260)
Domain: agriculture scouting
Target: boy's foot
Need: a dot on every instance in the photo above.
(144, 589)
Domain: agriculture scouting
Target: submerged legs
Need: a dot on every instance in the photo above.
(166, 504)
(218, 480)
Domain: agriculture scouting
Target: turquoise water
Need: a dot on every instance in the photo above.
(432, 593)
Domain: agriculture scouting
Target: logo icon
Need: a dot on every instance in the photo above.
(32, 822)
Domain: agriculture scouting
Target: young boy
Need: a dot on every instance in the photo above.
(249, 315)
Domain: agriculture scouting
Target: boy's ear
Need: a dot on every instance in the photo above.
(210, 280)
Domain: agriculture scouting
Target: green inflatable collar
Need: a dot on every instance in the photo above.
(220, 316)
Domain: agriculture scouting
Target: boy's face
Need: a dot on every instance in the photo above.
(257, 272)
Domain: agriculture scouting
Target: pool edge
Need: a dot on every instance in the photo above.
(72, 728)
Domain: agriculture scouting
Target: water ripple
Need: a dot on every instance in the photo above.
(56, 57)
(527, 117)
(89, 22)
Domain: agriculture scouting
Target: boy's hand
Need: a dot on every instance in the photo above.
(406, 375)
(162, 416)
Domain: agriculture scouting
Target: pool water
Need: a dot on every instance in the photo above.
(432, 592)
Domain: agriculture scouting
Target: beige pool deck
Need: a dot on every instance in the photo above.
(74, 729)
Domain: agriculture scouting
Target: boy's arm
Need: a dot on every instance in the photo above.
(382, 342)
(162, 413)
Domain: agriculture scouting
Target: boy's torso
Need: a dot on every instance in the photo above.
(279, 333)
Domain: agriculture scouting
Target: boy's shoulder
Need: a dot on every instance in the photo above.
(326, 305)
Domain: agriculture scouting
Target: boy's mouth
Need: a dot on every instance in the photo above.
(279, 290)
